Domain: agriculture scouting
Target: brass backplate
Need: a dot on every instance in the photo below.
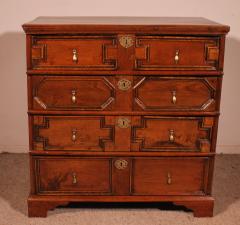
(121, 164)
(126, 41)
(123, 122)
(124, 84)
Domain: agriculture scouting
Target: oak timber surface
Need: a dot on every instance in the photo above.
(166, 24)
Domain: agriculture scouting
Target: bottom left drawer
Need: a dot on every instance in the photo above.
(58, 175)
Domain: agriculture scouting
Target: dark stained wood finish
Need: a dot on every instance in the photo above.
(80, 147)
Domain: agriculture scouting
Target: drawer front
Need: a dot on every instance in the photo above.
(72, 93)
(122, 133)
(176, 53)
(73, 175)
(121, 176)
(83, 133)
(73, 53)
(156, 133)
(171, 93)
(83, 93)
(170, 176)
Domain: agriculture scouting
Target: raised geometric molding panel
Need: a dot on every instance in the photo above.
(73, 175)
(176, 53)
(77, 93)
(156, 133)
(164, 93)
(74, 52)
(83, 133)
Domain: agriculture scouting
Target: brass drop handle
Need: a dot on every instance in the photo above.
(74, 135)
(174, 97)
(74, 177)
(75, 55)
(171, 135)
(169, 178)
(176, 58)
(74, 98)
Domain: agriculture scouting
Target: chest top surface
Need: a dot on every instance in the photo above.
(168, 25)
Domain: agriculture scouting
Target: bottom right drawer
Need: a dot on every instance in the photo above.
(170, 176)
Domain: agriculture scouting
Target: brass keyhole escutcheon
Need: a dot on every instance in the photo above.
(124, 84)
(123, 122)
(126, 41)
(121, 164)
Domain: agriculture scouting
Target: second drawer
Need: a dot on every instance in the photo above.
(124, 93)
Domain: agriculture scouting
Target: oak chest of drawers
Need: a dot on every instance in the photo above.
(123, 110)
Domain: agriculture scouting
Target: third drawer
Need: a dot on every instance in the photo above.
(122, 133)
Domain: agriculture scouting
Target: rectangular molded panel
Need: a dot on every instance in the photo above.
(169, 176)
(59, 175)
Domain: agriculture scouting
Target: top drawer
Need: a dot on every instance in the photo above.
(124, 53)
(177, 53)
(72, 53)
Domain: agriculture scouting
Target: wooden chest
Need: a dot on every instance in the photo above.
(123, 110)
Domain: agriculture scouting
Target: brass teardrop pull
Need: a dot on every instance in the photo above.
(176, 58)
(171, 135)
(74, 98)
(174, 97)
(75, 55)
(74, 135)
(169, 178)
(74, 178)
